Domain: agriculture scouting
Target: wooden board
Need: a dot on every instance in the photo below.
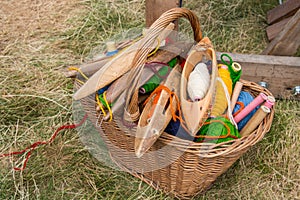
(275, 29)
(280, 72)
(288, 40)
(284, 10)
(154, 8)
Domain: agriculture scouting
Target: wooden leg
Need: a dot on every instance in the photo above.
(154, 8)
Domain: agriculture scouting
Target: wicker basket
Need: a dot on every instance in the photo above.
(193, 166)
(186, 168)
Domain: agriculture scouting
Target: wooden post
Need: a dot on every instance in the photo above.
(154, 8)
(288, 40)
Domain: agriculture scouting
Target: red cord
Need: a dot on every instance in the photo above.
(36, 144)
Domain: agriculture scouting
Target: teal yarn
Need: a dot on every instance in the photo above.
(245, 98)
(216, 127)
(234, 75)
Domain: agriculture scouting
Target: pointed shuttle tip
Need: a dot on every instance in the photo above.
(139, 147)
(76, 97)
(139, 152)
(79, 94)
(193, 128)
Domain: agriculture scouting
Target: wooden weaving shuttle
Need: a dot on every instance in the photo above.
(163, 55)
(195, 113)
(118, 86)
(116, 91)
(149, 129)
(87, 69)
(94, 65)
(118, 66)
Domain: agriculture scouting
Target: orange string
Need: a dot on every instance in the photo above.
(242, 106)
(155, 101)
(217, 137)
(157, 92)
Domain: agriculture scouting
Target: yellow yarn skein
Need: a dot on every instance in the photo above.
(221, 103)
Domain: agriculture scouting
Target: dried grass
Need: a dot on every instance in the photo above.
(39, 37)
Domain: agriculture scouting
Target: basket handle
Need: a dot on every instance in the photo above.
(131, 112)
(173, 14)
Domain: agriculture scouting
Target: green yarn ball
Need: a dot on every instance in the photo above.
(217, 129)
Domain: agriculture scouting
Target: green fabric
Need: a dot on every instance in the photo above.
(217, 129)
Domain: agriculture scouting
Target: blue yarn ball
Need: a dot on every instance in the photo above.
(175, 128)
(246, 98)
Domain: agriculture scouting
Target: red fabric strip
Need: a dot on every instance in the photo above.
(36, 144)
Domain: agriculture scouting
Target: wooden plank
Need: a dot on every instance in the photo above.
(280, 72)
(275, 29)
(154, 8)
(284, 10)
(288, 40)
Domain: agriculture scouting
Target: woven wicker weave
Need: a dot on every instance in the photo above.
(179, 167)
(193, 166)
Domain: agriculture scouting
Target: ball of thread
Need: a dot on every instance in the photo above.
(221, 103)
(214, 128)
(175, 128)
(245, 98)
(102, 90)
(233, 68)
(198, 82)
(155, 80)
(235, 75)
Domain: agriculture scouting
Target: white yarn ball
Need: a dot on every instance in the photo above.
(198, 82)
